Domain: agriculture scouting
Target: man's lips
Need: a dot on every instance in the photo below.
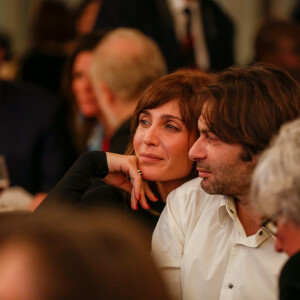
(149, 157)
(203, 173)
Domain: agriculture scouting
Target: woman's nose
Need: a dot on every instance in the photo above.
(152, 136)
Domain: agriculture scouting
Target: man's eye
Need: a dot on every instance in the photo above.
(211, 138)
(143, 122)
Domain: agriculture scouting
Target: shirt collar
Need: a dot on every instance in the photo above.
(226, 209)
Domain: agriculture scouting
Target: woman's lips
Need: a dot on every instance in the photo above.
(149, 157)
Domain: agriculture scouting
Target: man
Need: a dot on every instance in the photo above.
(208, 242)
(276, 191)
(124, 64)
(165, 22)
(277, 43)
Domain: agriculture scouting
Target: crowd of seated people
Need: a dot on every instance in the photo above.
(188, 160)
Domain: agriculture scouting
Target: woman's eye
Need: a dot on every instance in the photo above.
(172, 127)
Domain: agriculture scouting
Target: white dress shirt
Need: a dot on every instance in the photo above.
(176, 8)
(201, 248)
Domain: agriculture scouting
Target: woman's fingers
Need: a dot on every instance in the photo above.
(118, 180)
(126, 166)
(143, 200)
(134, 201)
(148, 192)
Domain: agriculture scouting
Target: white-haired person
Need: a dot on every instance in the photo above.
(276, 192)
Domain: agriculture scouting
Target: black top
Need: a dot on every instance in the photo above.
(75, 188)
(120, 139)
(289, 283)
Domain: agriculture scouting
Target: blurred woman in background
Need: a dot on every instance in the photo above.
(86, 132)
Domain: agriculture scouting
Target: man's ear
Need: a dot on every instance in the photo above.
(107, 95)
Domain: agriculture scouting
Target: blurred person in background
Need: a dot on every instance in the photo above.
(52, 33)
(295, 14)
(278, 43)
(276, 192)
(190, 33)
(124, 63)
(32, 136)
(8, 66)
(85, 16)
(64, 254)
(85, 129)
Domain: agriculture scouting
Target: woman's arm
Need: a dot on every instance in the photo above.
(115, 169)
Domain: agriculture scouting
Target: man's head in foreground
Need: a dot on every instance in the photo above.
(275, 188)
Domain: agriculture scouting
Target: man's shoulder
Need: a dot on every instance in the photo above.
(189, 186)
(191, 194)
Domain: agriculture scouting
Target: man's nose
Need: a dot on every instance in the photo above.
(198, 150)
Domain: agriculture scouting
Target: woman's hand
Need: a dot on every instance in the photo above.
(123, 173)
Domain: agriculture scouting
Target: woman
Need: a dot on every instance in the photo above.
(164, 128)
(84, 129)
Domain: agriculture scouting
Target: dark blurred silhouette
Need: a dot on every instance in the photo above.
(32, 136)
(295, 15)
(85, 15)
(155, 19)
(52, 34)
(7, 65)
(278, 43)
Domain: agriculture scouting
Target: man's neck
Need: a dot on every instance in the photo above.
(248, 217)
(118, 117)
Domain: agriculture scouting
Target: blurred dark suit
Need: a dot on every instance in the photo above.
(32, 137)
(289, 283)
(153, 18)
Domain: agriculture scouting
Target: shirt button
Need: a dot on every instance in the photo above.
(230, 285)
(260, 233)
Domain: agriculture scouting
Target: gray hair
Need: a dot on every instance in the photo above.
(127, 71)
(276, 178)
